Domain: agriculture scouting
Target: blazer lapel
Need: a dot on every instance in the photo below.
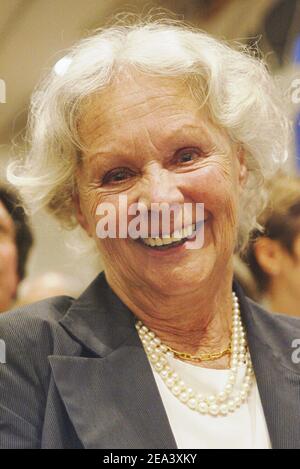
(279, 390)
(110, 395)
(278, 379)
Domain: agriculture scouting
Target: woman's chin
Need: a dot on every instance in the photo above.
(179, 279)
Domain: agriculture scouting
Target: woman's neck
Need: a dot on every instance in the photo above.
(196, 323)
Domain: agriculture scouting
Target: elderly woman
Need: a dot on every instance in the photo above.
(163, 350)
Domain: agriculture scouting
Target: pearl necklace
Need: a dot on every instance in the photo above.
(226, 401)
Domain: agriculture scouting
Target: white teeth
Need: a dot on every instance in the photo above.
(167, 240)
(187, 231)
(176, 236)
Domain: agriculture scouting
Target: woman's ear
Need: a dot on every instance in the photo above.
(243, 170)
(268, 253)
(79, 212)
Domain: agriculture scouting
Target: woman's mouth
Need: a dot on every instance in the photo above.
(178, 238)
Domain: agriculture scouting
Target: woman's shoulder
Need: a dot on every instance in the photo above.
(29, 320)
(28, 336)
(279, 333)
(48, 309)
(45, 328)
(33, 331)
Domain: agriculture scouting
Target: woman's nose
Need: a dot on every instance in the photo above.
(161, 186)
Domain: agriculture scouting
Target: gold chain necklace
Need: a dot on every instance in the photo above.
(234, 393)
(200, 358)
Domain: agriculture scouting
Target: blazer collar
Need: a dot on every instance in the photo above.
(111, 395)
(98, 319)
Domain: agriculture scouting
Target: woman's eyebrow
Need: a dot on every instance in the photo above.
(174, 134)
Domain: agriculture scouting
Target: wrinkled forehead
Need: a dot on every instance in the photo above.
(135, 99)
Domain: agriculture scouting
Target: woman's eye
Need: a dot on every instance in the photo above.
(188, 156)
(117, 175)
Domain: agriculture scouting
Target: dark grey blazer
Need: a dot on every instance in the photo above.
(76, 375)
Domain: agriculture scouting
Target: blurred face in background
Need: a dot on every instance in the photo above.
(8, 260)
(289, 270)
(282, 266)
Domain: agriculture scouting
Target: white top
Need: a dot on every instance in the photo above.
(243, 429)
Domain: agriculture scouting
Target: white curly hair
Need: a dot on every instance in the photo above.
(240, 95)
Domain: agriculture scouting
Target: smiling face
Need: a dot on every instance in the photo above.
(148, 139)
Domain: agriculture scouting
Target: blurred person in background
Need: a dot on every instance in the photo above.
(15, 243)
(274, 253)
